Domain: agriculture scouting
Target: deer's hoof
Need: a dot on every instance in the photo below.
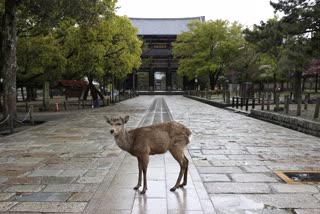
(143, 192)
(173, 189)
(182, 185)
(136, 187)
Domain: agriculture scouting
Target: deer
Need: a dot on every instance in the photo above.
(151, 140)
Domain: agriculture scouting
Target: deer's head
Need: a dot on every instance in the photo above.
(117, 124)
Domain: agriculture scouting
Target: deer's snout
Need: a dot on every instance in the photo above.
(111, 131)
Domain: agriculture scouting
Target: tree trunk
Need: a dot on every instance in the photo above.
(274, 87)
(297, 85)
(8, 53)
(213, 77)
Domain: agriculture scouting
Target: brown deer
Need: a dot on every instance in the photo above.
(150, 140)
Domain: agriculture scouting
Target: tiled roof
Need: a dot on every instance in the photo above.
(163, 26)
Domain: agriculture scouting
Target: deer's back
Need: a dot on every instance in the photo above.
(158, 138)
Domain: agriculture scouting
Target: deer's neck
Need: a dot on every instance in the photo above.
(124, 140)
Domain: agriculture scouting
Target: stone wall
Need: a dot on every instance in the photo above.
(299, 124)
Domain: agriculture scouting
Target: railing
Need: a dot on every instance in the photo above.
(11, 119)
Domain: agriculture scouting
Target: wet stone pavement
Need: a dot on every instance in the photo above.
(74, 166)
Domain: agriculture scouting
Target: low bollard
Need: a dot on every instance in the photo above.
(268, 102)
(232, 102)
(317, 109)
(262, 102)
(277, 108)
(247, 103)
(306, 102)
(237, 102)
(286, 103)
(253, 102)
(31, 115)
(299, 106)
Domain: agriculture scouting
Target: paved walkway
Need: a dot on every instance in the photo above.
(74, 166)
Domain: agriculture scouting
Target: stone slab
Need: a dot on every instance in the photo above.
(306, 211)
(42, 172)
(259, 201)
(252, 177)
(25, 188)
(43, 196)
(219, 187)
(293, 188)
(5, 206)
(256, 169)
(216, 170)
(5, 196)
(48, 207)
(64, 188)
(215, 177)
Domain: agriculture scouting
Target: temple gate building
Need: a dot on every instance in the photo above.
(158, 71)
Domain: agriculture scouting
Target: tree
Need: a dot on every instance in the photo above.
(110, 46)
(244, 67)
(208, 48)
(269, 39)
(40, 59)
(35, 18)
(8, 56)
(301, 22)
(301, 18)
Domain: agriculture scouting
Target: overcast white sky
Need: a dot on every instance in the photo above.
(247, 12)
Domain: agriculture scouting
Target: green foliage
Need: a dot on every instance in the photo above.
(111, 45)
(39, 59)
(269, 40)
(74, 39)
(208, 48)
(301, 18)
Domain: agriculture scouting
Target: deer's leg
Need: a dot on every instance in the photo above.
(140, 174)
(144, 163)
(185, 176)
(179, 156)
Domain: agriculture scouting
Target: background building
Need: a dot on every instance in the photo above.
(158, 71)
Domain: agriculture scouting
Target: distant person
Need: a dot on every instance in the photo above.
(95, 99)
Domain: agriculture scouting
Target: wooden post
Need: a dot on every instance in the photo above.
(11, 123)
(286, 103)
(262, 103)
(232, 102)
(228, 97)
(306, 102)
(299, 106)
(277, 101)
(316, 112)
(268, 102)
(66, 105)
(237, 102)
(247, 103)
(31, 115)
(253, 102)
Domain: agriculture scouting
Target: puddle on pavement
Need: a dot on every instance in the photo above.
(299, 177)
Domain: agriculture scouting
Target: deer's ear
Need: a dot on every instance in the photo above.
(126, 118)
(107, 119)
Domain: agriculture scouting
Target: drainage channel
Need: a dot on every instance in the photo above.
(158, 112)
